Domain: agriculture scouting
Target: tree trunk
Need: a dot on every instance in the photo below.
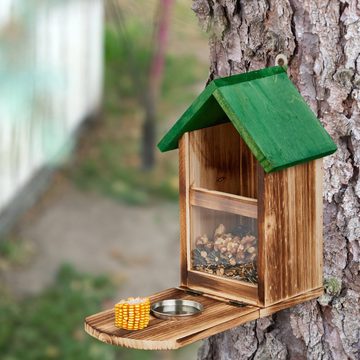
(321, 39)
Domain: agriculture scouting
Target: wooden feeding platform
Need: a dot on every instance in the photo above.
(217, 316)
(250, 182)
(171, 334)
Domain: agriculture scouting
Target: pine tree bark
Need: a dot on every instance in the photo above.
(321, 39)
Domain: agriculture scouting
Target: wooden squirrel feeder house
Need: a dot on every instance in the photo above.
(250, 153)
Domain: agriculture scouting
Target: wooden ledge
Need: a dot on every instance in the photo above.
(161, 334)
(218, 316)
(221, 201)
(310, 295)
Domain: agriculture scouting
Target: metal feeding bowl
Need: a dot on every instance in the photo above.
(176, 309)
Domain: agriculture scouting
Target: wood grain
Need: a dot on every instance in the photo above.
(218, 315)
(171, 334)
(223, 287)
(248, 172)
(291, 220)
(184, 210)
(221, 161)
(229, 324)
(223, 184)
(215, 159)
(220, 201)
(284, 304)
(261, 259)
(317, 204)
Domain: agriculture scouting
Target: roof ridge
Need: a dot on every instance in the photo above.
(248, 76)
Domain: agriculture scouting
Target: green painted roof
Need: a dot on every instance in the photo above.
(268, 112)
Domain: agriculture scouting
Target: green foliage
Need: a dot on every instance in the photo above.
(14, 252)
(107, 174)
(332, 286)
(127, 58)
(113, 167)
(50, 325)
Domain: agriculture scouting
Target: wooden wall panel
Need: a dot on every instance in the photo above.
(248, 172)
(222, 287)
(221, 161)
(184, 206)
(291, 214)
(261, 236)
(224, 202)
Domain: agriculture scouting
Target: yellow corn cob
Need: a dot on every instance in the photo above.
(132, 314)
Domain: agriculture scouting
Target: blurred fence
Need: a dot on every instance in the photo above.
(51, 65)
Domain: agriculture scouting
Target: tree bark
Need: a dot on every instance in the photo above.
(321, 39)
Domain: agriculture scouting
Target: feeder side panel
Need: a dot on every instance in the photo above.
(292, 230)
(184, 205)
(221, 161)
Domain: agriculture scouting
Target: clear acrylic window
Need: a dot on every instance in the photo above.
(224, 244)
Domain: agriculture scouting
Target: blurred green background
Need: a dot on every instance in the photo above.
(42, 318)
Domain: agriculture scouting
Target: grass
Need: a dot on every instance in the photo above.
(14, 253)
(50, 324)
(108, 160)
